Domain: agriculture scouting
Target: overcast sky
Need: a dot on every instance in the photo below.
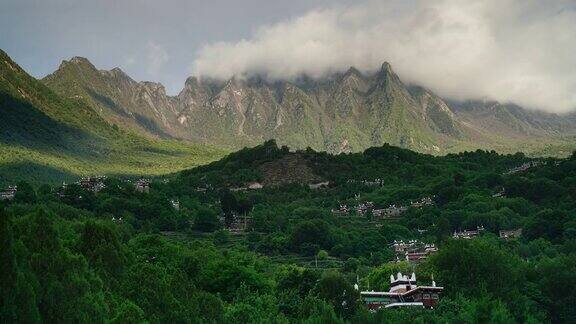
(521, 51)
(149, 39)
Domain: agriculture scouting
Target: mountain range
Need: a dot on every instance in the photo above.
(80, 120)
(344, 112)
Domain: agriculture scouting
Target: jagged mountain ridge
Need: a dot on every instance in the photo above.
(348, 111)
(142, 106)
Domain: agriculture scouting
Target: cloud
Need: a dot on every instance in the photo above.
(520, 51)
(157, 57)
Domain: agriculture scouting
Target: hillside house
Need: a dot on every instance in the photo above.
(142, 185)
(248, 186)
(239, 224)
(401, 247)
(318, 185)
(413, 251)
(404, 292)
(426, 201)
(508, 234)
(420, 254)
(9, 193)
(342, 210)
(468, 234)
(392, 211)
(255, 185)
(364, 207)
(523, 167)
(175, 204)
(500, 194)
(94, 183)
(370, 183)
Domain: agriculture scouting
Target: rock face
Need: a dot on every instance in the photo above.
(143, 106)
(346, 112)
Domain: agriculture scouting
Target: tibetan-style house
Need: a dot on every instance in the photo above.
(94, 183)
(9, 193)
(319, 185)
(508, 234)
(404, 292)
(391, 212)
(468, 234)
(142, 185)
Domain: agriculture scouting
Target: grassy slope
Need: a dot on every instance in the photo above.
(46, 138)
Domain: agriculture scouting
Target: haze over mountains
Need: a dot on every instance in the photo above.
(345, 112)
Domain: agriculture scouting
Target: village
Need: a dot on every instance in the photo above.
(391, 212)
(404, 290)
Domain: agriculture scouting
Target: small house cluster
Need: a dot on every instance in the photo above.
(9, 193)
(364, 207)
(94, 183)
(392, 211)
(239, 224)
(116, 219)
(370, 183)
(142, 185)
(319, 185)
(468, 234)
(423, 202)
(509, 234)
(404, 292)
(500, 194)
(361, 208)
(175, 204)
(413, 251)
(249, 186)
(523, 167)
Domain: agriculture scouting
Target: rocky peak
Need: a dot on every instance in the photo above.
(352, 80)
(353, 72)
(386, 73)
(118, 74)
(77, 61)
(155, 89)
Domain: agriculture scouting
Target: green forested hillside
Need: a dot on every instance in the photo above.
(44, 137)
(125, 256)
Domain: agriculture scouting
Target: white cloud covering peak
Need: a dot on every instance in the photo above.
(521, 51)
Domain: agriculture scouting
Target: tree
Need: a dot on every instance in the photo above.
(471, 267)
(8, 272)
(312, 232)
(334, 289)
(206, 220)
(25, 193)
(228, 201)
(99, 243)
(128, 313)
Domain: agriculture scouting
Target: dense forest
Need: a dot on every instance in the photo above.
(204, 245)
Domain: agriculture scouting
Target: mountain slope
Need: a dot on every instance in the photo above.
(142, 106)
(44, 137)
